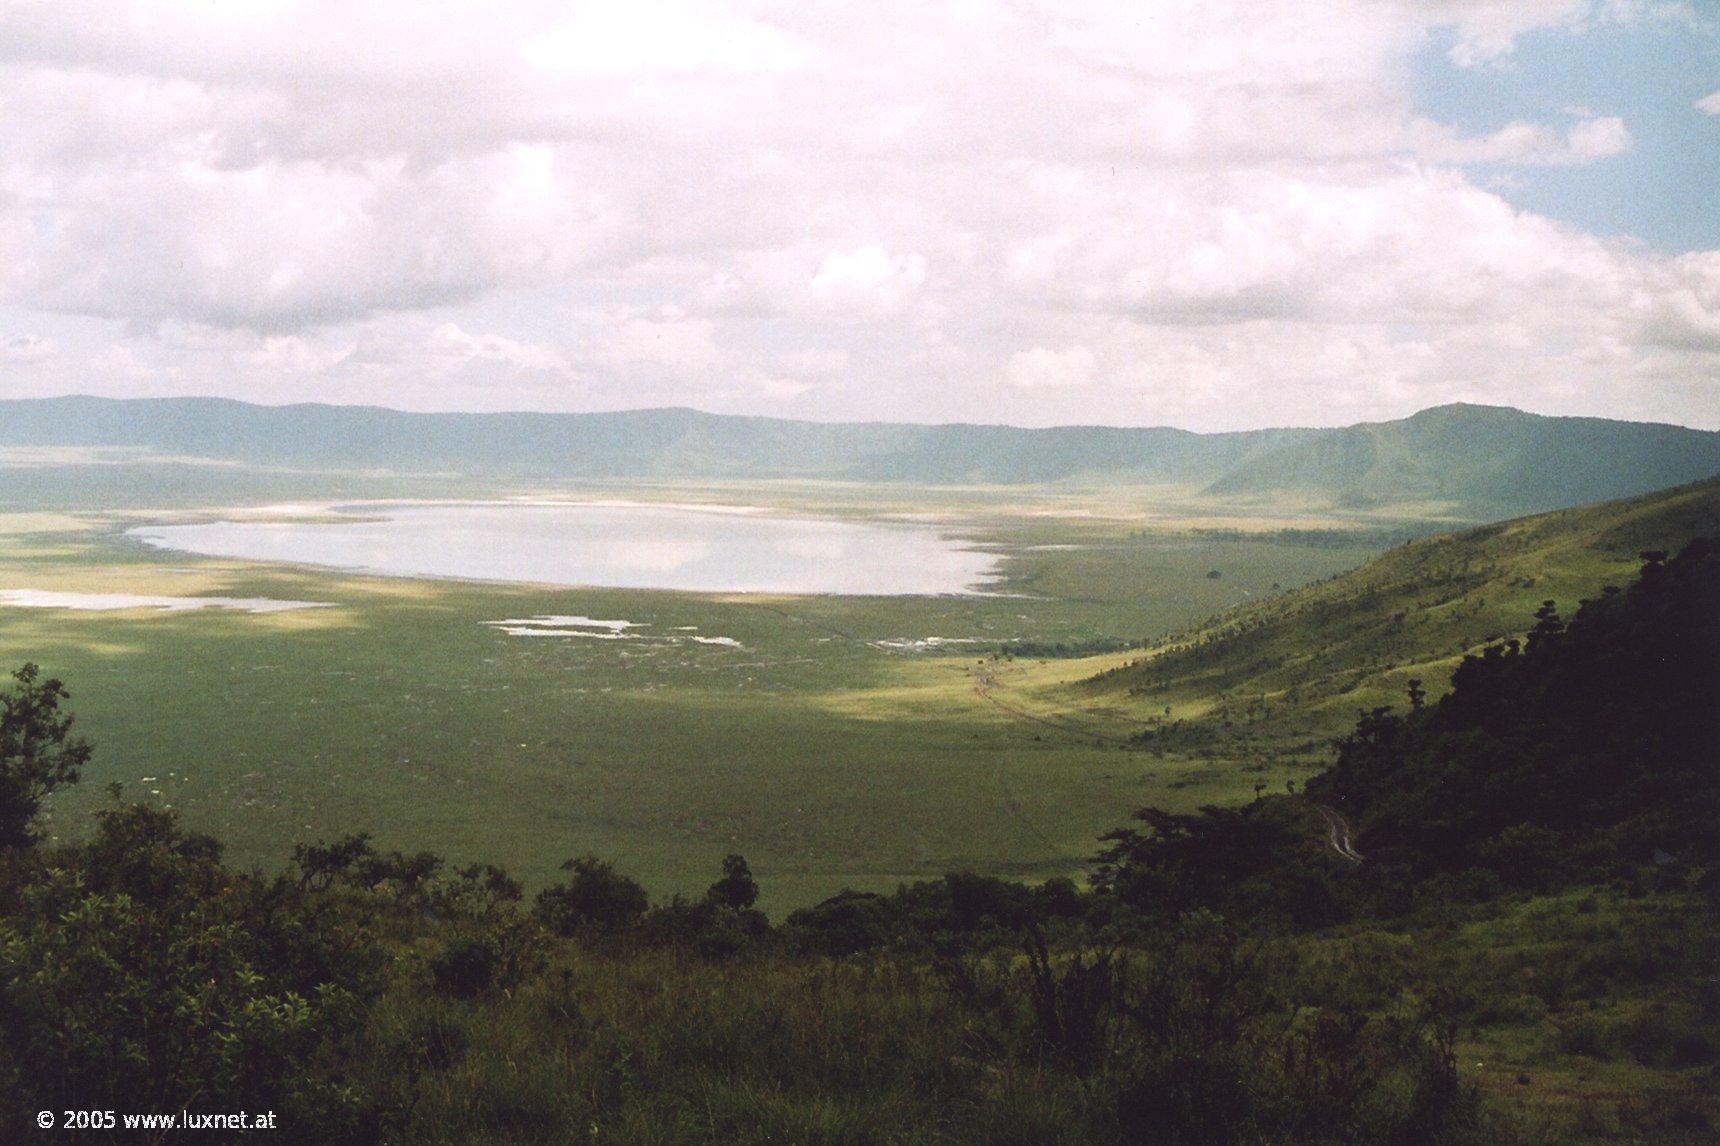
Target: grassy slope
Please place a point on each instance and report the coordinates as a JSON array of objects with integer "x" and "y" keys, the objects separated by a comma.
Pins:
[{"x": 1300, "y": 664}]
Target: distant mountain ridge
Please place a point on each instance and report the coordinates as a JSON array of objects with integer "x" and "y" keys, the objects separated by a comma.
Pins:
[{"x": 1481, "y": 461}]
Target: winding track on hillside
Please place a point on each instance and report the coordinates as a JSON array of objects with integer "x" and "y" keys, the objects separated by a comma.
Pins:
[
  {"x": 984, "y": 684},
  {"x": 1338, "y": 832}
]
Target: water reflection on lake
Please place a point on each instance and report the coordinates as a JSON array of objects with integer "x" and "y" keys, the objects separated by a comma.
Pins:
[{"x": 624, "y": 546}]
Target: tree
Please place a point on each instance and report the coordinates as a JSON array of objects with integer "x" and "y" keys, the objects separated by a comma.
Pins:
[
  {"x": 321, "y": 864},
  {"x": 847, "y": 923},
  {"x": 737, "y": 888},
  {"x": 1553, "y": 760},
  {"x": 1548, "y": 626},
  {"x": 408, "y": 877},
  {"x": 480, "y": 891},
  {"x": 1183, "y": 861},
  {"x": 138, "y": 968},
  {"x": 596, "y": 895},
  {"x": 37, "y": 752}
]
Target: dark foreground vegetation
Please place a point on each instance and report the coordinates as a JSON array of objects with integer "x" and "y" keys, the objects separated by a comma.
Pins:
[{"x": 1537, "y": 887}]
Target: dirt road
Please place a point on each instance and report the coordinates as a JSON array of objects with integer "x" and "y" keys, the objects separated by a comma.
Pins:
[{"x": 1338, "y": 832}]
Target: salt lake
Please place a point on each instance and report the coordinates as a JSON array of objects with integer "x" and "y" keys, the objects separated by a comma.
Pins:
[{"x": 698, "y": 549}]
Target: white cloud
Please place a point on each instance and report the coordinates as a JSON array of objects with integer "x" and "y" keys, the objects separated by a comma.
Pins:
[
  {"x": 653, "y": 36},
  {"x": 1488, "y": 29},
  {"x": 1520, "y": 142},
  {"x": 665, "y": 339},
  {"x": 1229, "y": 212},
  {"x": 27, "y": 348},
  {"x": 449, "y": 339},
  {"x": 817, "y": 361},
  {"x": 1709, "y": 104},
  {"x": 1681, "y": 309},
  {"x": 1403, "y": 245},
  {"x": 868, "y": 278},
  {"x": 1039, "y": 368},
  {"x": 1598, "y": 138}
]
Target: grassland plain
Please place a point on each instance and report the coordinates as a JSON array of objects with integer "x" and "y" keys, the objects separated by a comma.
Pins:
[{"x": 833, "y": 747}]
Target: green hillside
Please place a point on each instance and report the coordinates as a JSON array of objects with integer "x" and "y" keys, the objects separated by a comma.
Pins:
[
  {"x": 1467, "y": 462},
  {"x": 1307, "y": 660},
  {"x": 1492, "y": 459}
]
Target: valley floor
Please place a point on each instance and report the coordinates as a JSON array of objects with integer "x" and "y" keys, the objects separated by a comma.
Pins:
[{"x": 836, "y": 741}]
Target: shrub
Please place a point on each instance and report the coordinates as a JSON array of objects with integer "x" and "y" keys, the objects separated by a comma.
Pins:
[
  {"x": 737, "y": 888},
  {"x": 465, "y": 967},
  {"x": 847, "y": 923},
  {"x": 595, "y": 896}
]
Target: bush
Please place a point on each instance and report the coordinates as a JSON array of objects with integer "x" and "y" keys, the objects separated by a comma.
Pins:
[
  {"x": 465, "y": 967},
  {"x": 737, "y": 888},
  {"x": 847, "y": 923},
  {"x": 595, "y": 896},
  {"x": 708, "y": 930},
  {"x": 142, "y": 971}
]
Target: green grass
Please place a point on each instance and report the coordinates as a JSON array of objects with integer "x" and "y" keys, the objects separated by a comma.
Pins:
[
  {"x": 1283, "y": 675},
  {"x": 639, "y": 1049},
  {"x": 826, "y": 759},
  {"x": 1577, "y": 1020},
  {"x": 1580, "y": 1018}
]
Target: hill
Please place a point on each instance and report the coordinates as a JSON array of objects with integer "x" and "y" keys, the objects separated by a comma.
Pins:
[
  {"x": 1495, "y": 460},
  {"x": 665, "y": 443},
  {"x": 1553, "y": 759},
  {"x": 1306, "y": 660},
  {"x": 1470, "y": 462},
  {"x": 1581, "y": 755}
]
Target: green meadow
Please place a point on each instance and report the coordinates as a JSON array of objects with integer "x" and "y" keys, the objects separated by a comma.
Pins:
[{"x": 839, "y": 745}]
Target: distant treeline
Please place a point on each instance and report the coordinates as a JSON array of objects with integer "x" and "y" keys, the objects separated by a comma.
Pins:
[
  {"x": 1371, "y": 538},
  {"x": 1048, "y": 650}
]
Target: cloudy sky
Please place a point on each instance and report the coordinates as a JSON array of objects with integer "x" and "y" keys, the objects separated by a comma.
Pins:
[{"x": 1208, "y": 213}]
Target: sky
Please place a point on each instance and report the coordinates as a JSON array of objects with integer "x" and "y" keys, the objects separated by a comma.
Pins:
[{"x": 1215, "y": 214}]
